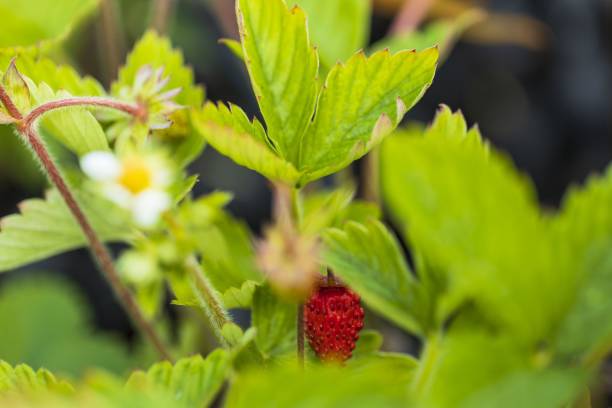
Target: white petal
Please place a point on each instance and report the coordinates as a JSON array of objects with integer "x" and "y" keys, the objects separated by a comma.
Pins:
[
  {"x": 148, "y": 206},
  {"x": 118, "y": 194},
  {"x": 101, "y": 166}
]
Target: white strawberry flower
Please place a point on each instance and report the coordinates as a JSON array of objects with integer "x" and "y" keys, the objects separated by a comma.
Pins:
[{"x": 138, "y": 183}]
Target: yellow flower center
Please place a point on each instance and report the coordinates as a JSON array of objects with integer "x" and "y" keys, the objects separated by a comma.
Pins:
[{"x": 135, "y": 176}]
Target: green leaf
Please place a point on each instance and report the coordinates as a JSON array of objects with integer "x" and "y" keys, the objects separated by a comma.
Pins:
[
  {"x": 551, "y": 388},
  {"x": 230, "y": 132},
  {"x": 194, "y": 381},
  {"x": 23, "y": 379},
  {"x": 228, "y": 256},
  {"x": 275, "y": 322},
  {"x": 57, "y": 76},
  {"x": 477, "y": 369},
  {"x": 468, "y": 214},
  {"x": 369, "y": 342},
  {"x": 157, "y": 52},
  {"x": 46, "y": 228},
  {"x": 338, "y": 28},
  {"x": 50, "y": 325},
  {"x": 16, "y": 87},
  {"x": 321, "y": 386},
  {"x": 234, "y": 46},
  {"x": 369, "y": 259},
  {"x": 283, "y": 69},
  {"x": 584, "y": 238},
  {"x": 33, "y": 24},
  {"x": 239, "y": 297},
  {"x": 332, "y": 208},
  {"x": 362, "y": 101}
]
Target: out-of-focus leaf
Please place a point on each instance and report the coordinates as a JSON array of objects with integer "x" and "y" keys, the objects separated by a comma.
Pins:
[
  {"x": 369, "y": 259},
  {"x": 275, "y": 322},
  {"x": 332, "y": 208},
  {"x": 283, "y": 69},
  {"x": 584, "y": 241},
  {"x": 46, "y": 227},
  {"x": 193, "y": 381},
  {"x": 460, "y": 371},
  {"x": 362, "y": 102},
  {"x": 338, "y": 28},
  {"x": 382, "y": 386},
  {"x": 23, "y": 379},
  {"x": 31, "y": 24},
  {"x": 47, "y": 324},
  {"x": 468, "y": 213}
]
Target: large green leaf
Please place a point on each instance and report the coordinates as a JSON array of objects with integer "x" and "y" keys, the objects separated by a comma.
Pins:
[
  {"x": 275, "y": 322},
  {"x": 369, "y": 259},
  {"x": 379, "y": 385},
  {"x": 475, "y": 369},
  {"x": 468, "y": 213},
  {"x": 584, "y": 243},
  {"x": 46, "y": 228},
  {"x": 33, "y": 24},
  {"x": 50, "y": 326},
  {"x": 283, "y": 69},
  {"x": 363, "y": 101},
  {"x": 230, "y": 132},
  {"x": 193, "y": 381},
  {"x": 23, "y": 379},
  {"x": 338, "y": 28}
]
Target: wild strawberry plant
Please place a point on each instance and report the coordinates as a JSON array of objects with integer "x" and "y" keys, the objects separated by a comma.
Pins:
[{"x": 509, "y": 302}]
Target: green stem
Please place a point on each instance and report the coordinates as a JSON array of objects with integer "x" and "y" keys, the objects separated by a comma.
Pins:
[
  {"x": 370, "y": 176},
  {"x": 208, "y": 299},
  {"x": 297, "y": 214},
  {"x": 428, "y": 364}
]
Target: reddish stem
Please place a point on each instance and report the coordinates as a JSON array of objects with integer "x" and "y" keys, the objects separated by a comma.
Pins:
[
  {"x": 9, "y": 105},
  {"x": 134, "y": 110},
  {"x": 100, "y": 252},
  {"x": 410, "y": 16}
]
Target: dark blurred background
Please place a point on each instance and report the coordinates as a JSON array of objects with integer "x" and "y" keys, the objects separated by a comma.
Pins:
[{"x": 547, "y": 105}]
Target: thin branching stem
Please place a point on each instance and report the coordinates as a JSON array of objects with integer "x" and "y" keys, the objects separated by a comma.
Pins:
[{"x": 27, "y": 129}]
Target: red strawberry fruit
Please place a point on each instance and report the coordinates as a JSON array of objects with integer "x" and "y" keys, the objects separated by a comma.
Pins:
[{"x": 333, "y": 318}]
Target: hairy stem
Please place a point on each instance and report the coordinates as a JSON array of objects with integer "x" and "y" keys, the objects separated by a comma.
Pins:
[
  {"x": 27, "y": 129},
  {"x": 297, "y": 215},
  {"x": 9, "y": 105},
  {"x": 162, "y": 10},
  {"x": 207, "y": 298}
]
